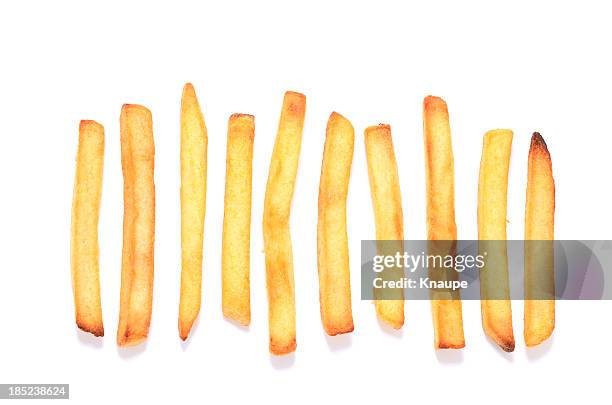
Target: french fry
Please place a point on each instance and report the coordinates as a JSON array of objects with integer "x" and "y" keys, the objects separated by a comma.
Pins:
[
  {"x": 332, "y": 240},
  {"x": 235, "y": 260},
  {"x": 492, "y": 201},
  {"x": 277, "y": 238},
  {"x": 194, "y": 143},
  {"x": 539, "y": 256},
  {"x": 137, "y": 161},
  {"x": 84, "y": 234},
  {"x": 445, "y": 306},
  {"x": 387, "y": 204}
]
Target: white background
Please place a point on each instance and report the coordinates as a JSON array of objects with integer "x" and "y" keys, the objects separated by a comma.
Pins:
[{"x": 522, "y": 66}]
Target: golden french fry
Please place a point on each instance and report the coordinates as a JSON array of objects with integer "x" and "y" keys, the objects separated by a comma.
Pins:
[
  {"x": 445, "y": 306},
  {"x": 84, "y": 234},
  {"x": 235, "y": 260},
  {"x": 492, "y": 201},
  {"x": 539, "y": 256},
  {"x": 332, "y": 240},
  {"x": 194, "y": 143},
  {"x": 387, "y": 204},
  {"x": 277, "y": 238},
  {"x": 137, "y": 161}
]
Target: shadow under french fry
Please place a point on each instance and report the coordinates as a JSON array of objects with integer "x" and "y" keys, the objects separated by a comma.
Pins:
[
  {"x": 540, "y": 351},
  {"x": 449, "y": 356},
  {"x": 282, "y": 362},
  {"x": 398, "y": 333},
  {"x": 339, "y": 342},
  {"x": 87, "y": 339},
  {"x": 130, "y": 352}
]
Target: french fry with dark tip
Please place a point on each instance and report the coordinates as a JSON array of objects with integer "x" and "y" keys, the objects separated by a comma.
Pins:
[
  {"x": 137, "y": 162},
  {"x": 277, "y": 237},
  {"x": 492, "y": 202},
  {"x": 194, "y": 144},
  {"x": 539, "y": 313},
  {"x": 332, "y": 240},
  {"x": 235, "y": 257},
  {"x": 388, "y": 216},
  {"x": 445, "y": 306},
  {"x": 84, "y": 233}
]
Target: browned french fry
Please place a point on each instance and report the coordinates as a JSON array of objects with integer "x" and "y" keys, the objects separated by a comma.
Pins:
[
  {"x": 445, "y": 306},
  {"x": 235, "y": 261},
  {"x": 332, "y": 240},
  {"x": 84, "y": 235},
  {"x": 194, "y": 143},
  {"x": 492, "y": 201},
  {"x": 387, "y": 204},
  {"x": 137, "y": 161},
  {"x": 539, "y": 256},
  {"x": 277, "y": 238}
]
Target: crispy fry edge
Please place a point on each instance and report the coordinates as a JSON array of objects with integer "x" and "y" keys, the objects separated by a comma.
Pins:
[
  {"x": 137, "y": 159},
  {"x": 387, "y": 206},
  {"x": 492, "y": 206},
  {"x": 539, "y": 315},
  {"x": 277, "y": 237},
  {"x": 236, "y": 245},
  {"x": 194, "y": 145},
  {"x": 332, "y": 239},
  {"x": 84, "y": 234},
  {"x": 446, "y": 313}
]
